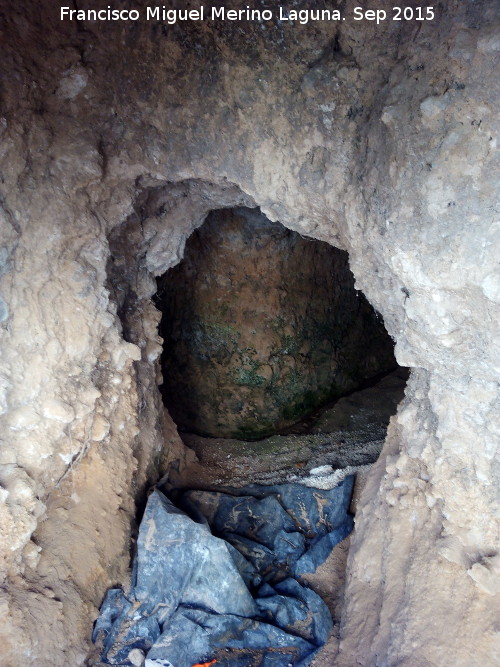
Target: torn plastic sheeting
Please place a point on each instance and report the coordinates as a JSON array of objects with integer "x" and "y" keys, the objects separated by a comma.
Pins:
[
  {"x": 194, "y": 635},
  {"x": 178, "y": 562},
  {"x": 284, "y": 530},
  {"x": 190, "y": 599}
]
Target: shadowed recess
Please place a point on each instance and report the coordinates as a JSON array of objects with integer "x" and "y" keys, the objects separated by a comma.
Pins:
[{"x": 261, "y": 327}]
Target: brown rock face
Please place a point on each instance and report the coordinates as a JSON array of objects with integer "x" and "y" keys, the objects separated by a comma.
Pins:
[{"x": 261, "y": 327}]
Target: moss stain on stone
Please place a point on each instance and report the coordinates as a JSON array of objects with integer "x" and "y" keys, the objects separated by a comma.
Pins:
[{"x": 267, "y": 328}]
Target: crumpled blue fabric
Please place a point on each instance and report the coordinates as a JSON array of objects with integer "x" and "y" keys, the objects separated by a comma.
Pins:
[{"x": 195, "y": 596}]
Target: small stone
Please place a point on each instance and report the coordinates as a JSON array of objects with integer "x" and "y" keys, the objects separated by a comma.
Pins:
[
  {"x": 23, "y": 418},
  {"x": 31, "y": 554},
  {"x": 136, "y": 657},
  {"x": 100, "y": 428},
  {"x": 321, "y": 470},
  {"x": 487, "y": 575},
  {"x": 53, "y": 408}
]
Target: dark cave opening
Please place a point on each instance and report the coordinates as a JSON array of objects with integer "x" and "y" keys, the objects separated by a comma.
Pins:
[
  {"x": 281, "y": 378},
  {"x": 261, "y": 328}
]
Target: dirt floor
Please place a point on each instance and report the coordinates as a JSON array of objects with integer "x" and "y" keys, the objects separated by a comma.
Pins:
[{"x": 334, "y": 442}]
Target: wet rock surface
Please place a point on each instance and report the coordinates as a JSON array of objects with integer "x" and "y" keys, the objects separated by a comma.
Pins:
[{"x": 261, "y": 327}]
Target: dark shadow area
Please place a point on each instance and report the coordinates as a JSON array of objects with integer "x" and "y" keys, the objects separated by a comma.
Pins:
[{"x": 262, "y": 327}]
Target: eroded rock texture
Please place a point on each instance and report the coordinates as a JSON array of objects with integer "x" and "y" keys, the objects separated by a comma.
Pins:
[
  {"x": 261, "y": 327},
  {"x": 116, "y": 141}
]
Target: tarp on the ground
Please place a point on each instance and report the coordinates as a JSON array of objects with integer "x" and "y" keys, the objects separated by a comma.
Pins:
[{"x": 219, "y": 580}]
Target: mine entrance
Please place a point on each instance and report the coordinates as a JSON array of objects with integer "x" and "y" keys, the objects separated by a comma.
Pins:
[
  {"x": 281, "y": 378},
  {"x": 267, "y": 348},
  {"x": 262, "y": 327}
]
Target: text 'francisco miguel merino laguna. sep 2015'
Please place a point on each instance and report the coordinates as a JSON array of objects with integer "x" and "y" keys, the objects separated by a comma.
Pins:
[{"x": 281, "y": 14}]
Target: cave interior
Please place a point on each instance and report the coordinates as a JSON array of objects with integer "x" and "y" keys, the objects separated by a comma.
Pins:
[{"x": 246, "y": 255}]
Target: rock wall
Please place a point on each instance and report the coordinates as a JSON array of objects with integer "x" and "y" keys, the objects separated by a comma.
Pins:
[
  {"x": 262, "y": 327},
  {"x": 116, "y": 140}
]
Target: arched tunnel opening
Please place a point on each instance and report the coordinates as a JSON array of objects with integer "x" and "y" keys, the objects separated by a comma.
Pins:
[
  {"x": 281, "y": 380},
  {"x": 268, "y": 348},
  {"x": 261, "y": 328}
]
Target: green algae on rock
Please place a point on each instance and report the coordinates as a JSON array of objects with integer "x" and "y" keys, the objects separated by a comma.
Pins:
[{"x": 262, "y": 326}]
